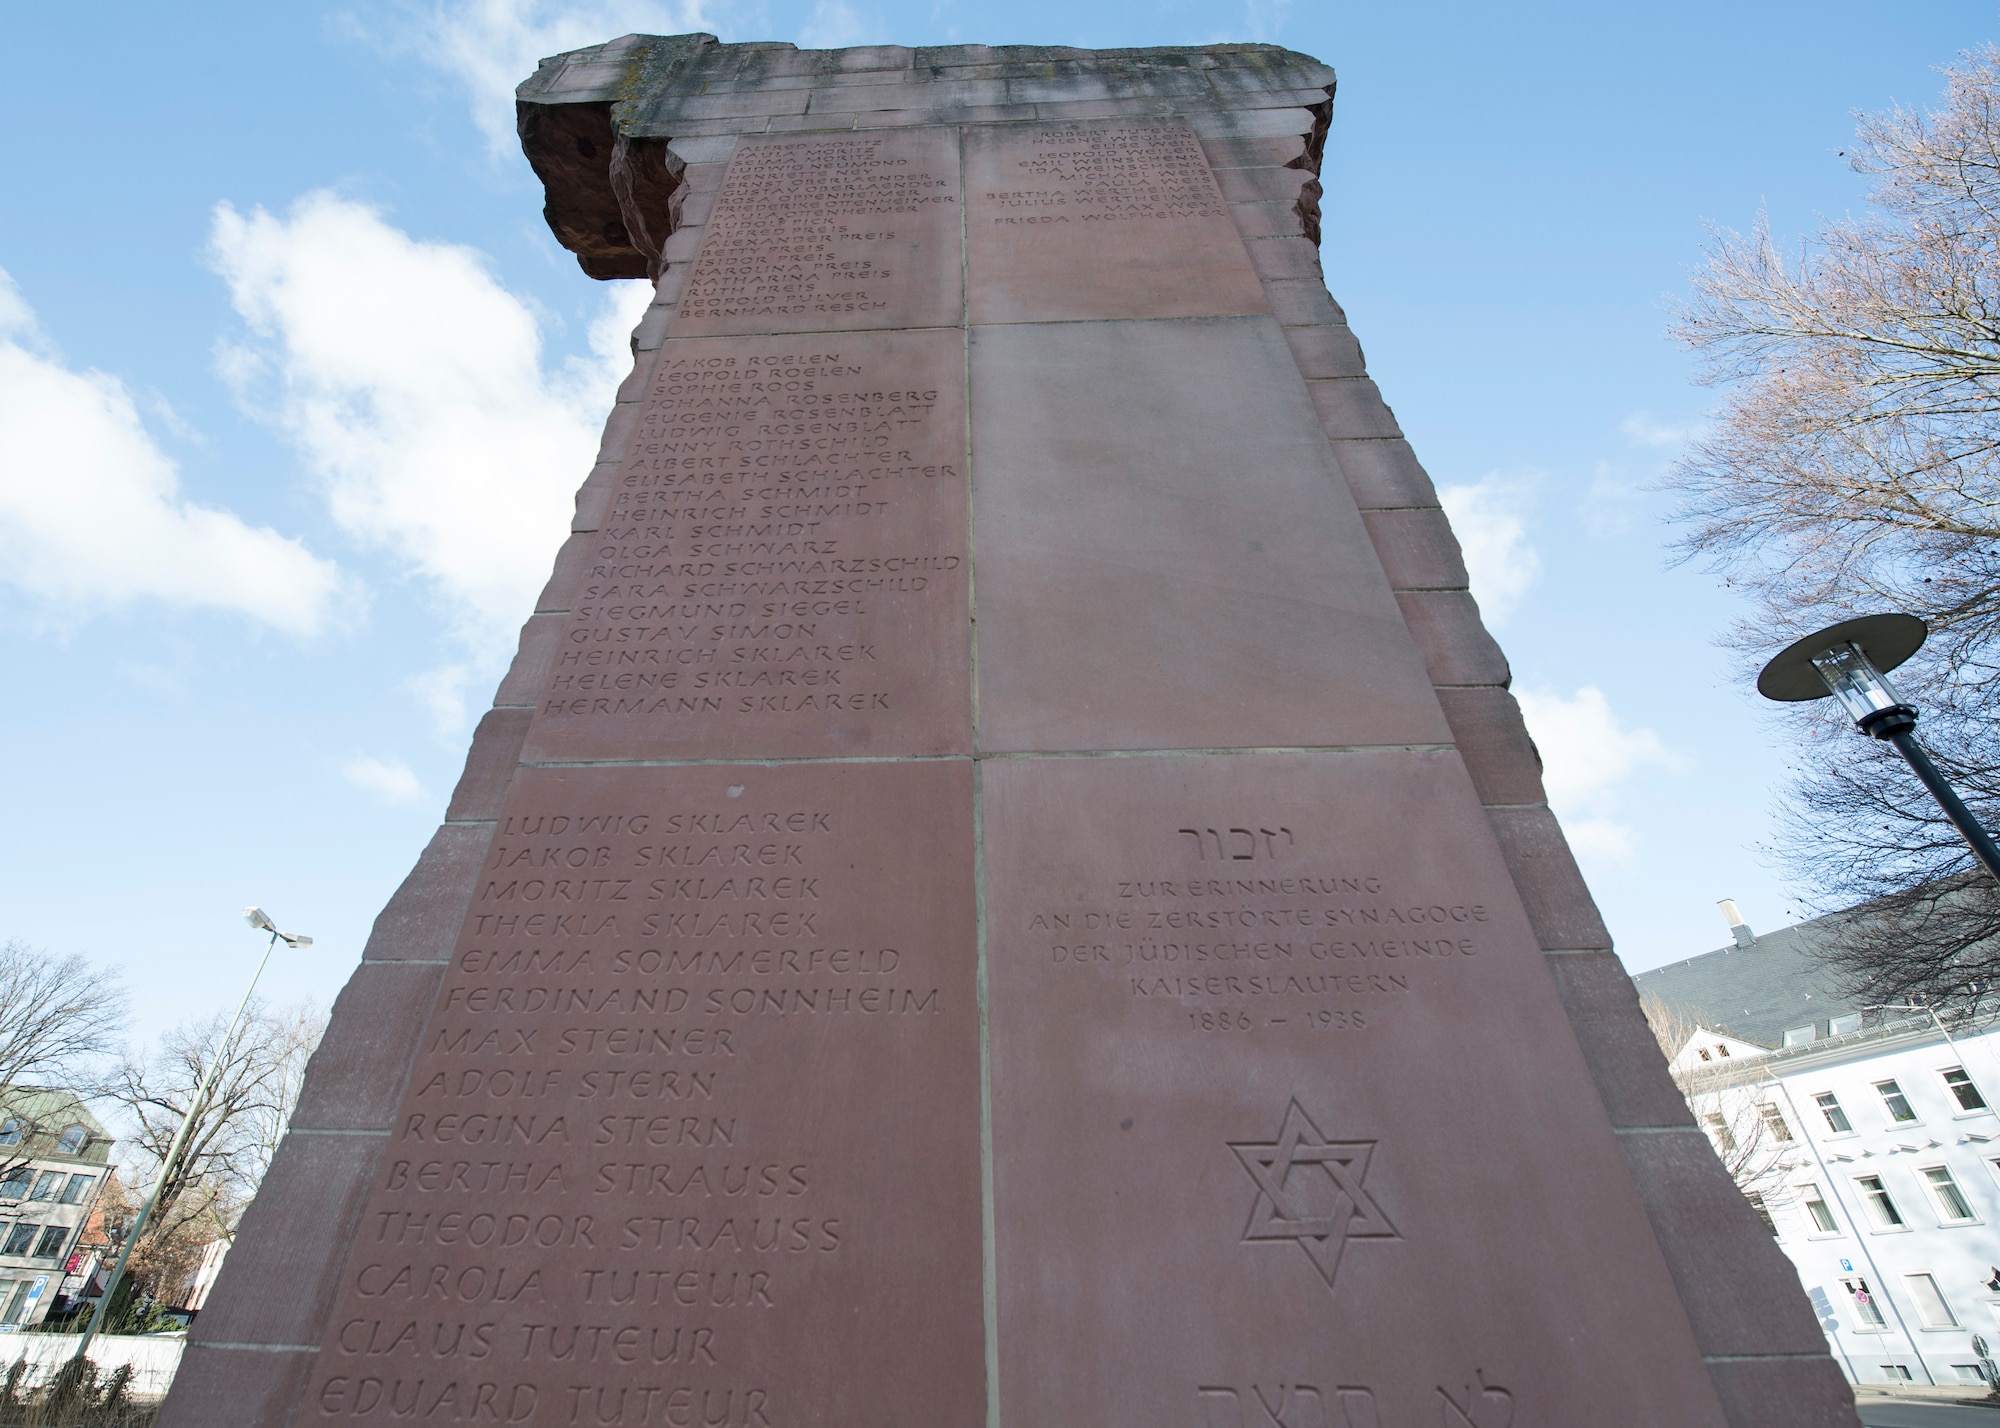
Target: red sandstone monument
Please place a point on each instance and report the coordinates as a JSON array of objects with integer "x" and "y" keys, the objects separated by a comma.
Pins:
[{"x": 1005, "y": 887}]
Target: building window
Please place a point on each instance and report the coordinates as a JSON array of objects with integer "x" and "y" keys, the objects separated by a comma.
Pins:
[
  {"x": 1896, "y": 1373},
  {"x": 1969, "y": 1373},
  {"x": 1816, "y": 1207},
  {"x": 1897, "y": 1104},
  {"x": 47, "y": 1186},
  {"x": 1952, "y": 1203},
  {"x": 1774, "y": 1122},
  {"x": 1844, "y": 1025},
  {"x": 11, "y": 1131},
  {"x": 1719, "y": 1128},
  {"x": 14, "y": 1293},
  {"x": 20, "y": 1239},
  {"x": 1836, "y": 1118},
  {"x": 1931, "y": 1307},
  {"x": 73, "y": 1140},
  {"x": 1763, "y": 1211},
  {"x": 1881, "y": 1208},
  {"x": 78, "y": 1187},
  {"x": 1866, "y": 1311},
  {"x": 1799, "y": 1036},
  {"x": 1963, "y": 1091},
  {"x": 1702, "y": 1052},
  {"x": 1722, "y": 1051},
  {"x": 53, "y": 1240}
]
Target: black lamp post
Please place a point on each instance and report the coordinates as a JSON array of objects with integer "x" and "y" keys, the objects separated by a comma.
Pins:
[{"x": 1847, "y": 661}]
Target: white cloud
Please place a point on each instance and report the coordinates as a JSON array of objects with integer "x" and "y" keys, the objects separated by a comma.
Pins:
[
  {"x": 1489, "y": 519},
  {"x": 414, "y": 385},
  {"x": 832, "y": 25},
  {"x": 1588, "y": 756},
  {"x": 1644, "y": 430},
  {"x": 1263, "y": 19},
  {"x": 442, "y": 692},
  {"x": 91, "y": 512},
  {"x": 388, "y": 779},
  {"x": 489, "y": 46}
]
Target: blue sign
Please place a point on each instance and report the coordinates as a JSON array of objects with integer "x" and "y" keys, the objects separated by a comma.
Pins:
[{"x": 1847, "y": 1265}]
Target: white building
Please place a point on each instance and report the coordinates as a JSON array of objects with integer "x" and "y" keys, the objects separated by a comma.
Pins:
[
  {"x": 1866, "y": 1137},
  {"x": 54, "y": 1155}
]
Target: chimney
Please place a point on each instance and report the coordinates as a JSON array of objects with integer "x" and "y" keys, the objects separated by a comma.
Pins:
[{"x": 1744, "y": 936}]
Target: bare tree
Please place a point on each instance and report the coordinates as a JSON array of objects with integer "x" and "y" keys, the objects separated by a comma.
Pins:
[
  {"x": 1731, "y": 1103},
  {"x": 58, "y": 1019},
  {"x": 234, "y": 1136},
  {"x": 1854, "y": 466}
]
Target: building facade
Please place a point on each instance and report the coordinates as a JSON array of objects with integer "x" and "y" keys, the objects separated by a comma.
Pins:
[
  {"x": 1867, "y": 1139},
  {"x": 54, "y": 1156}
]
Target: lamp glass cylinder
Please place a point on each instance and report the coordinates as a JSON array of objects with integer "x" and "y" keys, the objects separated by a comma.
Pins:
[{"x": 1861, "y": 688}]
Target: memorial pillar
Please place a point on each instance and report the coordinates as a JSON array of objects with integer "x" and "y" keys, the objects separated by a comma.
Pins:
[{"x": 1005, "y": 885}]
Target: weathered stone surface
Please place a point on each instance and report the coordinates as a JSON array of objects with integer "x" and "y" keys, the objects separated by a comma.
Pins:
[
  {"x": 1162, "y": 1078},
  {"x": 1009, "y": 711},
  {"x": 831, "y": 235},
  {"x": 1104, "y": 218},
  {"x": 784, "y": 569},
  {"x": 421, "y": 920},
  {"x": 1167, "y": 557},
  {"x": 704, "y": 1070}
]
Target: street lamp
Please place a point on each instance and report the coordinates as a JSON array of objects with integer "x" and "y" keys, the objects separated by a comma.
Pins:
[
  {"x": 258, "y": 919},
  {"x": 1848, "y": 661}
]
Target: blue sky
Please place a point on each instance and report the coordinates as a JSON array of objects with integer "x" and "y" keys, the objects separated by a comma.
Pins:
[{"x": 295, "y": 386}]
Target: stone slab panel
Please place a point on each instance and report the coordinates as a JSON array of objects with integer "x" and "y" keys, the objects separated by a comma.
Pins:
[
  {"x": 1353, "y": 407},
  {"x": 784, "y": 571},
  {"x": 1711, "y": 1235},
  {"x": 1167, "y": 555},
  {"x": 705, "y": 1072},
  {"x": 831, "y": 235},
  {"x": 1105, "y": 218},
  {"x": 534, "y": 660},
  {"x": 1383, "y": 475},
  {"x": 1326, "y": 351},
  {"x": 1299, "y": 301},
  {"x": 1550, "y": 885},
  {"x": 1492, "y": 737},
  {"x": 213, "y": 1386},
  {"x": 1284, "y": 1104},
  {"x": 1623, "y": 1054},
  {"x": 1418, "y": 549},
  {"x": 1457, "y": 648},
  {"x": 420, "y": 922},
  {"x": 293, "y": 1243},
  {"x": 1785, "y": 1393},
  {"x": 489, "y": 764},
  {"x": 356, "y": 1075}
]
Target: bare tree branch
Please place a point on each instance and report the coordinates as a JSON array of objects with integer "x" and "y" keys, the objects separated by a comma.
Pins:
[
  {"x": 58, "y": 1019},
  {"x": 234, "y": 1135},
  {"x": 1854, "y": 466}
]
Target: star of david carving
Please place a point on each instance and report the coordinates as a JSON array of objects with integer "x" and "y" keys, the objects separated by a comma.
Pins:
[{"x": 1309, "y": 1190}]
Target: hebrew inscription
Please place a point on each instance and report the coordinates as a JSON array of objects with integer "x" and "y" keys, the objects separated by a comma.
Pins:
[
  {"x": 1274, "y": 1045},
  {"x": 783, "y": 569},
  {"x": 1103, "y": 218},
  {"x": 830, "y": 235},
  {"x": 1480, "y": 1404},
  {"x": 618, "y": 1190}
]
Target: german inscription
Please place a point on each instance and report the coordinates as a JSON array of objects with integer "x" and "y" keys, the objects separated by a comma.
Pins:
[
  {"x": 830, "y": 235},
  {"x": 1103, "y": 218},
  {"x": 616, "y": 1189},
  {"x": 783, "y": 569}
]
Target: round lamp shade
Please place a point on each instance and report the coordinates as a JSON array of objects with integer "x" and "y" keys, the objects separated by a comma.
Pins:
[{"x": 1887, "y": 640}]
